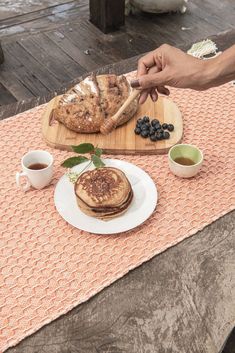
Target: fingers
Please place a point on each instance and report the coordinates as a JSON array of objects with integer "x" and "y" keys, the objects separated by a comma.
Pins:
[
  {"x": 150, "y": 60},
  {"x": 143, "y": 96},
  {"x": 150, "y": 81},
  {"x": 154, "y": 95},
  {"x": 136, "y": 82},
  {"x": 154, "y": 91},
  {"x": 163, "y": 90},
  {"x": 145, "y": 63}
]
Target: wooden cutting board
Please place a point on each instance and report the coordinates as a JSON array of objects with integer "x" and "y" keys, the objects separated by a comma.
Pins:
[{"x": 122, "y": 140}]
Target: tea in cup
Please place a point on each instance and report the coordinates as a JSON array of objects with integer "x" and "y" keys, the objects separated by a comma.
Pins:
[
  {"x": 185, "y": 160},
  {"x": 37, "y": 168}
]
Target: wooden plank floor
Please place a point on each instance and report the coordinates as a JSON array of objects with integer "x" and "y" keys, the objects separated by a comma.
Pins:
[{"x": 51, "y": 42}]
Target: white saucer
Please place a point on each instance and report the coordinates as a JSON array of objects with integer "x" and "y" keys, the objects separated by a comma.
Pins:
[{"x": 142, "y": 206}]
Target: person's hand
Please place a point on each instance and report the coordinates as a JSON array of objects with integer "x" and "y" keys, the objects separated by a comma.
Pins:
[{"x": 172, "y": 67}]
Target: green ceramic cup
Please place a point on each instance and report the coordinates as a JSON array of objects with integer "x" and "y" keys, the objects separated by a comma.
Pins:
[{"x": 185, "y": 151}]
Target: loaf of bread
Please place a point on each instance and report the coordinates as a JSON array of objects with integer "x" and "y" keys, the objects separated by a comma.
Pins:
[{"x": 85, "y": 106}]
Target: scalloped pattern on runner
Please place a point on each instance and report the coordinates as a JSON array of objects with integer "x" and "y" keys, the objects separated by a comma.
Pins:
[{"x": 48, "y": 267}]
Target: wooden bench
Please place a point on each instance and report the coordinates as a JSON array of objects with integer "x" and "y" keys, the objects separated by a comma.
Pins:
[{"x": 107, "y": 15}]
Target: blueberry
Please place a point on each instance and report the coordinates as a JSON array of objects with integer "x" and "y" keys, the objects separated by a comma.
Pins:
[
  {"x": 146, "y": 119},
  {"x": 158, "y": 136},
  {"x": 153, "y": 138},
  {"x": 144, "y": 127},
  {"x": 151, "y": 131},
  {"x": 165, "y": 126},
  {"x": 139, "y": 121},
  {"x": 154, "y": 122},
  {"x": 137, "y": 131},
  {"x": 170, "y": 127},
  {"x": 157, "y": 127},
  {"x": 144, "y": 133},
  {"x": 166, "y": 135},
  {"x": 148, "y": 125}
]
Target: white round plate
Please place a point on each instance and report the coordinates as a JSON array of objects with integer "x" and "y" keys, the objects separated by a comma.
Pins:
[{"x": 141, "y": 208}]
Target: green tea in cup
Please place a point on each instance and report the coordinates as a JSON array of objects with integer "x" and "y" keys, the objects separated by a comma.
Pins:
[{"x": 184, "y": 160}]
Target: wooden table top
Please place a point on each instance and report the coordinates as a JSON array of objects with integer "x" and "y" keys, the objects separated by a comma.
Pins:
[{"x": 181, "y": 301}]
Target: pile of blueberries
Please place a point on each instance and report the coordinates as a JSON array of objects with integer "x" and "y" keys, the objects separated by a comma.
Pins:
[{"x": 153, "y": 129}]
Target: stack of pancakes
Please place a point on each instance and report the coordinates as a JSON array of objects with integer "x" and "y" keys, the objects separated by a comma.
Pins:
[{"x": 103, "y": 193}]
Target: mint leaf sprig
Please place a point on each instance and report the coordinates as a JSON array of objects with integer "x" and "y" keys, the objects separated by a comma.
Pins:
[
  {"x": 71, "y": 162},
  {"x": 94, "y": 158}
]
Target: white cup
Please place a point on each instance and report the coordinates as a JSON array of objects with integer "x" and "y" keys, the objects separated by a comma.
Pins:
[{"x": 36, "y": 178}]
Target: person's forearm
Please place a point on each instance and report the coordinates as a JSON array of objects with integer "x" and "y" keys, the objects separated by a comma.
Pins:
[{"x": 220, "y": 69}]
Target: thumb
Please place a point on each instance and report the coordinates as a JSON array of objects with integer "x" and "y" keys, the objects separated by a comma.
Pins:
[{"x": 150, "y": 80}]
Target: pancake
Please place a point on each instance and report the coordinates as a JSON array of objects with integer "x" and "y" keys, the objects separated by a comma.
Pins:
[
  {"x": 103, "y": 193},
  {"x": 108, "y": 210},
  {"x": 102, "y": 187},
  {"x": 105, "y": 213}
]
